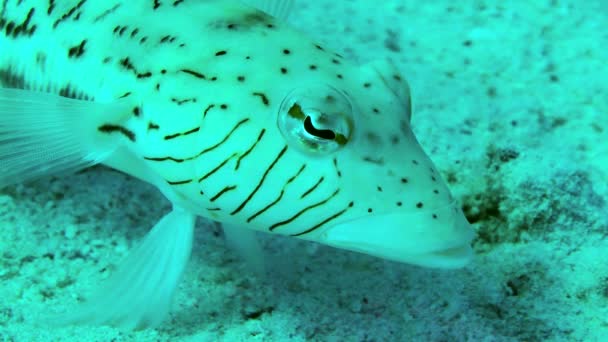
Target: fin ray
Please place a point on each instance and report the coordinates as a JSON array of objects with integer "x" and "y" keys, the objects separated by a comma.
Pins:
[
  {"x": 44, "y": 134},
  {"x": 277, "y": 8},
  {"x": 140, "y": 292}
]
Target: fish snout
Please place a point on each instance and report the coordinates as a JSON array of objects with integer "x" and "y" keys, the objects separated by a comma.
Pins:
[{"x": 431, "y": 238}]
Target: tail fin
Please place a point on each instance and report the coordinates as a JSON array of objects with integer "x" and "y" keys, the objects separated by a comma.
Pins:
[{"x": 43, "y": 134}]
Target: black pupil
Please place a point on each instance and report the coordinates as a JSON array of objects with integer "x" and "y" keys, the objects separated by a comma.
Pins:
[{"x": 319, "y": 133}]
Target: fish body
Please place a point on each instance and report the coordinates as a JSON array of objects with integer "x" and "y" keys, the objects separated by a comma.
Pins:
[{"x": 234, "y": 116}]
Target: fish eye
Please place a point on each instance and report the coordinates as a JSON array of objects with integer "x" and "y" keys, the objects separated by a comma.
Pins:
[{"x": 316, "y": 120}]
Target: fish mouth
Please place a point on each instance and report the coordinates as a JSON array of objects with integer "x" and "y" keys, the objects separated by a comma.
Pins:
[{"x": 441, "y": 238}]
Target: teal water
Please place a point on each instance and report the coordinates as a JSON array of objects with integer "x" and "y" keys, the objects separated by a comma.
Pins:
[{"x": 510, "y": 102}]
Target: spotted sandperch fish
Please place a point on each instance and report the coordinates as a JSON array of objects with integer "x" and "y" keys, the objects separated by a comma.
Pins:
[{"x": 233, "y": 116}]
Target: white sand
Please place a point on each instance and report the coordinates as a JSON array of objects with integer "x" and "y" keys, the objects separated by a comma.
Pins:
[{"x": 511, "y": 104}]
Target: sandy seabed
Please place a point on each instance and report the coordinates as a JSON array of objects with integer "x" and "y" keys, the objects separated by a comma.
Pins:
[{"x": 510, "y": 102}]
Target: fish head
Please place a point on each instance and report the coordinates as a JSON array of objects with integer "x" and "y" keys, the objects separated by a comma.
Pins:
[
  {"x": 324, "y": 151},
  {"x": 367, "y": 185}
]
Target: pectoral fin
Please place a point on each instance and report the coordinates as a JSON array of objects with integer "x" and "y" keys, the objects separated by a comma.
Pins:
[{"x": 140, "y": 292}]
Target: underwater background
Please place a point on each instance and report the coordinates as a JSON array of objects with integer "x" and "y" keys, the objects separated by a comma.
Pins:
[{"x": 510, "y": 102}]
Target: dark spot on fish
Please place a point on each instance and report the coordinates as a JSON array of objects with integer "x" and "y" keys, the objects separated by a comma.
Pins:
[
  {"x": 9, "y": 28},
  {"x": 136, "y": 111},
  {"x": 207, "y": 110},
  {"x": 312, "y": 67},
  {"x": 78, "y": 50},
  {"x": 189, "y": 72},
  {"x": 10, "y": 79},
  {"x": 338, "y": 172},
  {"x": 180, "y": 102},
  {"x": 264, "y": 98},
  {"x": 241, "y": 78},
  {"x": 110, "y": 128},
  {"x": 286, "y": 51},
  {"x": 67, "y": 15},
  {"x": 24, "y": 29},
  {"x": 247, "y": 21},
  {"x": 167, "y": 39},
  {"x": 16, "y": 31},
  {"x": 283, "y": 71},
  {"x": 419, "y": 205},
  {"x": 106, "y": 13},
  {"x": 126, "y": 63},
  {"x": 70, "y": 92},
  {"x": 224, "y": 106},
  {"x": 376, "y": 161},
  {"x": 221, "y": 53},
  {"x": 153, "y": 126},
  {"x": 181, "y": 182},
  {"x": 181, "y": 134},
  {"x": 51, "y": 7}
]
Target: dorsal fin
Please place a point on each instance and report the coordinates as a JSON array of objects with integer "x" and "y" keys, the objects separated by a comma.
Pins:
[{"x": 277, "y": 8}]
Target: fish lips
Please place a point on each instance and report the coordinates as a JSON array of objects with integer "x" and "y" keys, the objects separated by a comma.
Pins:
[{"x": 439, "y": 238}]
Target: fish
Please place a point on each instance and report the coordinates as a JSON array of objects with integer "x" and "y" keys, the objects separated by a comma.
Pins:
[{"x": 234, "y": 116}]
